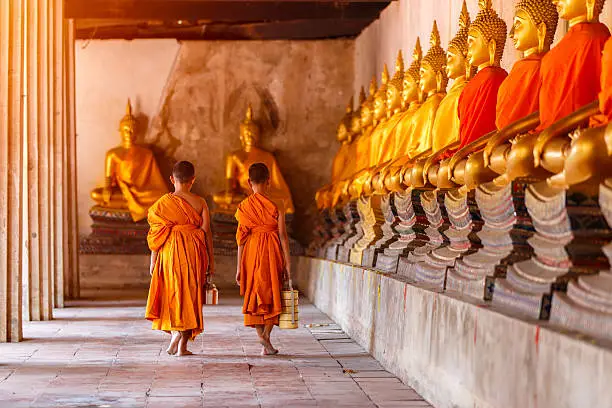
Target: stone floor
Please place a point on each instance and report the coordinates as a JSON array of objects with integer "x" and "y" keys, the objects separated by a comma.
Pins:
[{"x": 101, "y": 353}]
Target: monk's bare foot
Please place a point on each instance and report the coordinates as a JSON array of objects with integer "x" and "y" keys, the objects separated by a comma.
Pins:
[
  {"x": 173, "y": 347},
  {"x": 182, "y": 344},
  {"x": 183, "y": 353},
  {"x": 268, "y": 349}
]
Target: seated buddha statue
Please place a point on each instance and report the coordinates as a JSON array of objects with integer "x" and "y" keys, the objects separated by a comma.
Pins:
[
  {"x": 408, "y": 88},
  {"x": 571, "y": 75},
  {"x": 237, "y": 170},
  {"x": 343, "y": 163},
  {"x": 362, "y": 125},
  {"x": 132, "y": 179},
  {"x": 433, "y": 86},
  {"x": 533, "y": 31},
  {"x": 445, "y": 131},
  {"x": 477, "y": 103}
]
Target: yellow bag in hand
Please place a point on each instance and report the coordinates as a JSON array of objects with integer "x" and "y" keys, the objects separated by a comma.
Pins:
[
  {"x": 211, "y": 294},
  {"x": 288, "y": 318}
]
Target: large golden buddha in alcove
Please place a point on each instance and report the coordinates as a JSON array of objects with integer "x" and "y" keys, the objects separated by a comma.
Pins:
[
  {"x": 237, "y": 170},
  {"x": 132, "y": 179}
]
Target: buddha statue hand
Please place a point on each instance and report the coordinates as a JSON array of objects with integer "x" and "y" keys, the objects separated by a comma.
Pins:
[{"x": 506, "y": 135}]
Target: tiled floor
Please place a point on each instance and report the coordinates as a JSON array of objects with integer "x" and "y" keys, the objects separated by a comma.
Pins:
[{"x": 103, "y": 354}]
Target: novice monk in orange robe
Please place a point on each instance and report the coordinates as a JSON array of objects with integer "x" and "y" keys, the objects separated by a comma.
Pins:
[
  {"x": 263, "y": 256},
  {"x": 180, "y": 240}
]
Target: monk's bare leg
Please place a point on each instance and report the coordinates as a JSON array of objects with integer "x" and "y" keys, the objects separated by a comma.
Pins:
[
  {"x": 264, "y": 340},
  {"x": 266, "y": 332},
  {"x": 174, "y": 341},
  {"x": 182, "y": 345}
]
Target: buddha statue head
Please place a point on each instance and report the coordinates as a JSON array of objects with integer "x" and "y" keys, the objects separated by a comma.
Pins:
[
  {"x": 579, "y": 11},
  {"x": 433, "y": 76},
  {"x": 412, "y": 77},
  {"x": 343, "y": 131},
  {"x": 367, "y": 107},
  {"x": 534, "y": 26},
  {"x": 127, "y": 126},
  {"x": 355, "y": 128},
  {"x": 457, "y": 64},
  {"x": 380, "y": 98},
  {"x": 486, "y": 37},
  {"x": 249, "y": 131},
  {"x": 394, "y": 87}
]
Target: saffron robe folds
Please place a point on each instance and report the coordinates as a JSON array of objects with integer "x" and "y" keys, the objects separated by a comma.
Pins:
[
  {"x": 605, "y": 96},
  {"x": 477, "y": 104},
  {"x": 571, "y": 72},
  {"x": 262, "y": 262},
  {"x": 179, "y": 274},
  {"x": 519, "y": 94},
  {"x": 445, "y": 129}
]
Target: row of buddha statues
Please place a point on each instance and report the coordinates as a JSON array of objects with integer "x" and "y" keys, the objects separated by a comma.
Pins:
[
  {"x": 498, "y": 187},
  {"x": 133, "y": 182}
]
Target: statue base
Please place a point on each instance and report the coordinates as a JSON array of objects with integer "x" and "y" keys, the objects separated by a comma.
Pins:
[
  {"x": 225, "y": 225},
  {"x": 114, "y": 232}
]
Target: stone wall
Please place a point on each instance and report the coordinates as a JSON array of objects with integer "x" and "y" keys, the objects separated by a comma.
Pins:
[
  {"x": 200, "y": 91},
  {"x": 456, "y": 353}
]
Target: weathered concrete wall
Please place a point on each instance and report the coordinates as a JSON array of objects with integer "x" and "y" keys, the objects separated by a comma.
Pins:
[
  {"x": 107, "y": 272},
  {"x": 456, "y": 353},
  {"x": 192, "y": 97}
]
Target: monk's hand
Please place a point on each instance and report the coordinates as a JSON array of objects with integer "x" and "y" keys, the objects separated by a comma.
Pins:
[
  {"x": 238, "y": 277},
  {"x": 211, "y": 269}
]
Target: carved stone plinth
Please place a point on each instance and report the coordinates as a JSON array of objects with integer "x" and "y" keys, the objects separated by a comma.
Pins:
[
  {"x": 338, "y": 221},
  {"x": 503, "y": 239},
  {"x": 351, "y": 218},
  {"x": 344, "y": 252},
  {"x": 587, "y": 305},
  {"x": 114, "y": 232},
  {"x": 570, "y": 231},
  {"x": 389, "y": 235},
  {"x": 372, "y": 220},
  {"x": 464, "y": 219},
  {"x": 410, "y": 230}
]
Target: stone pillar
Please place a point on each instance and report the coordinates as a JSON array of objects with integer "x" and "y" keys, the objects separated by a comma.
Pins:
[
  {"x": 71, "y": 260},
  {"x": 11, "y": 168}
]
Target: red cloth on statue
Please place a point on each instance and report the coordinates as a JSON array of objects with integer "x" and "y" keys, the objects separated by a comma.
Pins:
[
  {"x": 477, "y": 104},
  {"x": 571, "y": 72},
  {"x": 519, "y": 94}
]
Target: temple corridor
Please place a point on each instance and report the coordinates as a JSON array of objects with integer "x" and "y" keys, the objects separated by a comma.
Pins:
[{"x": 102, "y": 353}]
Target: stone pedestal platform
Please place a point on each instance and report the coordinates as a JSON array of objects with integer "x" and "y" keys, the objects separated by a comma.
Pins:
[{"x": 114, "y": 232}]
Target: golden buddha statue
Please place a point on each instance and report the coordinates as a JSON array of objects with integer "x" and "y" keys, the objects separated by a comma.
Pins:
[
  {"x": 362, "y": 125},
  {"x": 445, "y": 131},
  {"x": 391, "y": 176},
  {"x": 343, "y": 164},
  {"x": 237, "y": 170},
  {"x": 433, "y": 82},
  {"x": 533, "y": 31},
  {"x": 132, "y": 180},
  {"x": 477, "y": 103}
]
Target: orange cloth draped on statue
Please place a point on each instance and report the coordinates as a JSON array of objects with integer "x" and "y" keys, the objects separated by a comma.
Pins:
[
  {"x": 519, "y": 94},
  {"x": 179, "y": 274},
  {"x": 605, "y": 96},
  {"x": 571, "y": 72},
  {"x": 477, "y": 104},
  {"x": 262, "y": 260},
  {"x": 140, "y": 181}
]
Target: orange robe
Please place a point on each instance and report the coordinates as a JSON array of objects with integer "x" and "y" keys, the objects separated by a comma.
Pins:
[
  {"x": 605, "y": 96},
  {"x": 519, "y": 94},
  {"x": 571, "y": 72},
  {"x": 477, "y": 104},
  {"x": 175, "y": 295},
  {"x": 262, "y": 260}
]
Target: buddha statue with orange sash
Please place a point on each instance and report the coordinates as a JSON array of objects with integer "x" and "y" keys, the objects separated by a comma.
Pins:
[
  {"x": 533, "y": 31},
  {"x": 445, "y": 132},
  {"x": 583, "y": 77},
  {"x": 478, "y": 101}
]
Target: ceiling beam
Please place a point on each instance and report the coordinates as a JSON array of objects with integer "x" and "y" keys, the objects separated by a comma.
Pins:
[
  {"x": 284, "y": 30},
  {"x": 222, "y": 10}
]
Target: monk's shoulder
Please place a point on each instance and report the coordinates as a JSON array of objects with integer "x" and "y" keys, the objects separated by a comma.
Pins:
[{"x": 160, "y": 203}]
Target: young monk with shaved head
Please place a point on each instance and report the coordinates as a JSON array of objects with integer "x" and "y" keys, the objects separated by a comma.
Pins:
[
  {"x": 180, "y": 240},
  {"x": 263, "y": 257}
]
